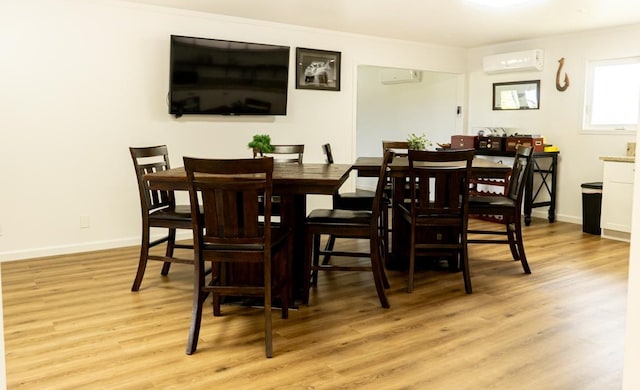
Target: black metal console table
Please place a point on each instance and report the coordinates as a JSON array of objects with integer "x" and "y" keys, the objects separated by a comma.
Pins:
[{"x": 546, "y": 173}]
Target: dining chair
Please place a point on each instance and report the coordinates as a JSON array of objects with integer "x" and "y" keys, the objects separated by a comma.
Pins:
[
  {"x": 505, "y": 209},
  {"x": 357, "y": 224},
  {"x": 360, "y": 199},
  {"x": 282, "y": 154},
  {"x": 399, "y": 148},
  {"x": 159, "y": 210},
  {"x": 229, "y": 233},
  {"x": 438, "y": 213}
]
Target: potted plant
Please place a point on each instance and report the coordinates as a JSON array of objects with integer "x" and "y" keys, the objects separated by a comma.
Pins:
[
  {"x": 261, "y": 144},
  {"x": 418, "y": 142}
]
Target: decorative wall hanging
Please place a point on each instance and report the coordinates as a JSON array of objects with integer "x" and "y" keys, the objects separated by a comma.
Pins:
[
  {"x": 559, "y": 86},
  {"x": 317, "y": 69}
]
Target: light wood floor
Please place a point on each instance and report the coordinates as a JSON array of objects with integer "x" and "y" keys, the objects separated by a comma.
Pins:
[{"x": 71, "y": 322}]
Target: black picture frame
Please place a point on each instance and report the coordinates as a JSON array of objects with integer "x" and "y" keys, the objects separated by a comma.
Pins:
[
  {"x": 516, "y": 95},
  {"x": 317, "y": 69}
]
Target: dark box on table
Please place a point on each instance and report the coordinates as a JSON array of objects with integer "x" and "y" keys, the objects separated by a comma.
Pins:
[
  {"x": 514, "y": 141},
  {"x": 491, "y": 143},
  {"x": 464, "y": 141}
]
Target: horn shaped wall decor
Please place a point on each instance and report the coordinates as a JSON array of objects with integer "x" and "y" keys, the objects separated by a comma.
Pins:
[{"x": 559, "y": 86}]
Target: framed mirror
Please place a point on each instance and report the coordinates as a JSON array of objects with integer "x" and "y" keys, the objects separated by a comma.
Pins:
[{"x": 516, "y": 95}]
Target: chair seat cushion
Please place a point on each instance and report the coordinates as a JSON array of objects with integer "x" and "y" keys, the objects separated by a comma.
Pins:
[
  {"x": 490, "y": 201},
  {"x": 339, "y": 216},
  {"x": 179, "y": 213}
]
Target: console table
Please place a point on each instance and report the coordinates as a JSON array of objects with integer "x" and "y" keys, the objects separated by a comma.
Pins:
[{"x": 545, "y": 169}]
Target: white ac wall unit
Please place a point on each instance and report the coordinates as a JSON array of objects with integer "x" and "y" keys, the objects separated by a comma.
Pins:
[
  {"x": 399, "y": 76},
  {"x": 513, "y": 62}
]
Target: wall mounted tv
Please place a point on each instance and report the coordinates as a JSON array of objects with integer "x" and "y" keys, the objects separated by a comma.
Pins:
[{"x": 218, "y": 77}]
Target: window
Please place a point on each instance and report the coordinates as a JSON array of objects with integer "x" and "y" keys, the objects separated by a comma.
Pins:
[{"x": 612, "y": 100}]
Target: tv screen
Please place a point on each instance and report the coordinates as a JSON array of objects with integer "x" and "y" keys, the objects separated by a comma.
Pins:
[{"x": 212, "y": 76}]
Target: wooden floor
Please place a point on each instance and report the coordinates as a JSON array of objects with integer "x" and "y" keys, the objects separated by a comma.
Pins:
[{"x": 71, "y": 322}]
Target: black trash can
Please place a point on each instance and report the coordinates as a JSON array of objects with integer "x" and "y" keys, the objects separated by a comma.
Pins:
[{"x": 591, "y": 206}]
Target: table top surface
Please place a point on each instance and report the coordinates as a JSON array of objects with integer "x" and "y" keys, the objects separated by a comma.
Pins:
[
  {"x": 370, "y": 166},
  {"x": 287, "y": 177}
]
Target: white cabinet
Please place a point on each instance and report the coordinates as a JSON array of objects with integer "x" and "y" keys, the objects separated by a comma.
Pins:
[{"x": 617, "y": 198}]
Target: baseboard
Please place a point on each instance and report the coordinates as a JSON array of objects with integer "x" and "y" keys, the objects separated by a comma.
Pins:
[{"x": 77, "y": 248}]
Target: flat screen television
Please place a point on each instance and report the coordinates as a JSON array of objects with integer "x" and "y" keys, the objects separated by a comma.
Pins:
[{"x": 219, "y": 77}]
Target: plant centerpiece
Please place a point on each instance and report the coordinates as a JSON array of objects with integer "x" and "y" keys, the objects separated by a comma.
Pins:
[
  {"x": 261, "y": 144},
  {"x": 418, "y": 142}
]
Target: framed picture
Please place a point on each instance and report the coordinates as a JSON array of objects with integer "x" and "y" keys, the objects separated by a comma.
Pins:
[
  {"x": 317, "y": 69},
  {"x": 516, "y": 95}
]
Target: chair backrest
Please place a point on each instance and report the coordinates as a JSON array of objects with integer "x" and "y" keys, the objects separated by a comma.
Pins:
[
  {"x": 378, "y": 199},
  {"x": 285, "y": 153},
  {"x": 229, "y": 192},
  {"x": 400, "y": 148},
  {"x": 440, "y": 186},
  {"x": 326, "y": 148},
  {"x": 148, "y": 160},
  {"x": 522, "y": 165}
]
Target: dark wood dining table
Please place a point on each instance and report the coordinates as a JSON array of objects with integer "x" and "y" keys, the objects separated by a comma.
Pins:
[
  {"x": 292, "y": 182},
  {"x": 399, "y": 171}
]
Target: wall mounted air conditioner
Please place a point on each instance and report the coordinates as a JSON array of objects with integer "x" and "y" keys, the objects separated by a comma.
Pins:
[
  {"x": 513, "y": 62},
  {"x": 399, "y": 76}
]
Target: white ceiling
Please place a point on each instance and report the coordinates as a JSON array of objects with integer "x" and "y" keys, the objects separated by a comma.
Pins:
[{"x": 447, "y": 22}]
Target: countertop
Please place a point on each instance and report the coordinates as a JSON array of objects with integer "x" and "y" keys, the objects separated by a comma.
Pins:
[{"x": 629, "y": 159}]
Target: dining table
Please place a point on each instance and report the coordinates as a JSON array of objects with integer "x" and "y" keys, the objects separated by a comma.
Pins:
[
  {"x": 399, "y": 172},
  {"x": 292, "y": 182}
]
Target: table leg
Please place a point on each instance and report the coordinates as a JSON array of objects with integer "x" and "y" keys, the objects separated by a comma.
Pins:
[
  {"x": 293, "y": 214},
  {"x": 398, "y": 258}
]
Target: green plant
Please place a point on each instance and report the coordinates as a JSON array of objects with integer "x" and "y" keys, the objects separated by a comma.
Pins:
[
  {"x": 418, "y": 142},
  {"x": 262, "y": 143}
]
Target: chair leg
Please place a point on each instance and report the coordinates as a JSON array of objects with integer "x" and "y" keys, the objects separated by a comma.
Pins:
[
  {"x": 412, "y": 259},
  {"x": 199, "y": 297},
  {"x": 520, "y": 245},
  {"x": 196, "y": 319},
  {"x": 316, "y": 259},
  {"x": 171, "y": 244},
  {"x": 511, "y": 236},
  {"x": 142, "y": 264},
  {"x": 378, "y": 274},
  {"x": 268, "y": 342},
  {"x": 284, "y": 298},
  {"x": 307, "y": 265},
  {"x": 464, "y": 265},
  {"x": 381, "y": 248},
  {"x": 331, "y": 241}
]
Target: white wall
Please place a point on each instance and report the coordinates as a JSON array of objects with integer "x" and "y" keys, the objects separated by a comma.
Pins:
[
  {"x": 559, "y": 118},
  {"x": 84, "y": 80}
]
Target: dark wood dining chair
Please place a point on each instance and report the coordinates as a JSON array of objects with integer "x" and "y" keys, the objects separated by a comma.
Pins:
[
  {"x": 282, "y": 154},
  {"x": 359, "y": 224},
  {"x": 399, "y": 148},
  {"x": 438, "y": 211},
  {"x": 230, "y": 234},
  {"x": 159, "y": 210},
  {"x": 505, "y": 209},
  {"x": 360, "y": 199}
]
